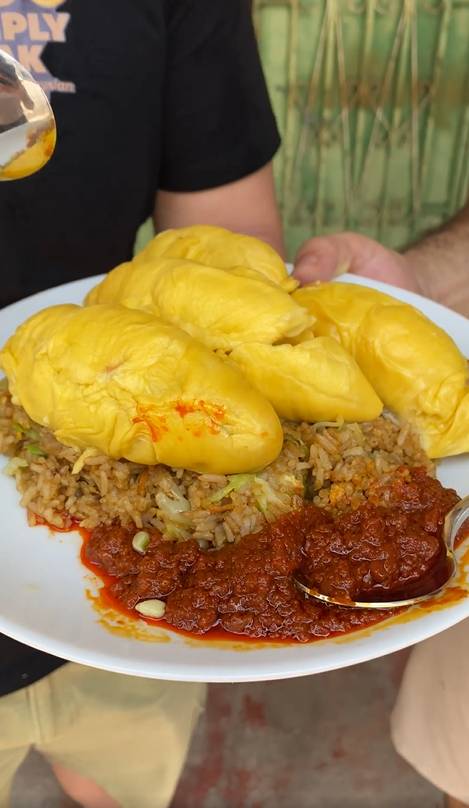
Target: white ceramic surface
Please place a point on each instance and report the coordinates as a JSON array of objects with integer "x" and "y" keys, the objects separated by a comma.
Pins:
[{"x": 43, "y": 585}]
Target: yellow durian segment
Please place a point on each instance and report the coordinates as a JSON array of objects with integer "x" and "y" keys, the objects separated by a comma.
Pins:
[
  {"x": 451, "y": 438},
  {"x": 130, "y": 284},
  {"x": 339, "y": 308},
  {"x": 123, "y": 383},
  {"x": 315, "y": 381},
  {"x": 220, "y": 248},
  {"x": 221, "y": 309},
  {"x": 419, "y": 373},
  {"x": 414, "y": 366}
]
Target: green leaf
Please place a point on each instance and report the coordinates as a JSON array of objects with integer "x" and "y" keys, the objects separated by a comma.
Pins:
[
  {"x": 236, "y": 482},
  {"x": 36, "y": 450},
  {"x": 17, "y": 427}
]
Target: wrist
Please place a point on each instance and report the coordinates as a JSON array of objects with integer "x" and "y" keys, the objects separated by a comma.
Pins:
[
  {"x": 418, "y": 274},
  {"x": 440, "y": 277}
]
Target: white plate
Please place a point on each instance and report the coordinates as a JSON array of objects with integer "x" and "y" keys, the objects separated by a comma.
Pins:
[{"x": 43, "y": 600}]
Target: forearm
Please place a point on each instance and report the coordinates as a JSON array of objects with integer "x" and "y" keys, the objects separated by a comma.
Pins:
[
  {"x": 247, "y": 206},
  {"x": 440, "y": 263}
]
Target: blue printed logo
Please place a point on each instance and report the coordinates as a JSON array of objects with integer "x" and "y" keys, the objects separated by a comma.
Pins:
[{"x": 26, "y": 27}]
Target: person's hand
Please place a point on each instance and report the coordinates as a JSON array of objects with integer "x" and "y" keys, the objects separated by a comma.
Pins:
[{"x": 326, "y": 257}]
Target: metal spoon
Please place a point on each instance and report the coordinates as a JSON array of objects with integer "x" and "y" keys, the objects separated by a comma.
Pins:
[
  {"x": 453, "y": 522},
  {"x": 27, "y": 123}
]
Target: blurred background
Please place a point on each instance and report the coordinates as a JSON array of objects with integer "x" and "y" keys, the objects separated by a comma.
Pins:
[
  {"x": 316, "y": 742},
  {"x": 372, "y": 100}
]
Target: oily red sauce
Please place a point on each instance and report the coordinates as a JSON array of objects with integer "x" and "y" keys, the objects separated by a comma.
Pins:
[{"x": 390, "y": 545}]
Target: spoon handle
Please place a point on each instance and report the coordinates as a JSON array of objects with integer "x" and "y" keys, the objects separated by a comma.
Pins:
[{"x": 455, "y": 520}]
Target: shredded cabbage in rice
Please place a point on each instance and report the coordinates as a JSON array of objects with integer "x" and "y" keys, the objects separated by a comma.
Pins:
[{"x": 332, "y": 464}]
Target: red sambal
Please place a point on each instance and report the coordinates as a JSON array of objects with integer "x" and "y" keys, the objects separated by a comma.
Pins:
[{"x": 392, "y": 544}]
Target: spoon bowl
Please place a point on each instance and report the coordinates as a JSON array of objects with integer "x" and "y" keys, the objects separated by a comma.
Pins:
[
  {"x": 27, "y": 123},
  {"x": 454, "y": 520}
]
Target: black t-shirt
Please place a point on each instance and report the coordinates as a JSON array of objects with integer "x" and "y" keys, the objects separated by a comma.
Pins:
[{"x": 148, "y": 95}]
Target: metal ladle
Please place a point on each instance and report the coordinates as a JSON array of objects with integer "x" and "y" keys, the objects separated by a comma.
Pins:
[
  {"x": 452, "y": 524},
  {"x": 27, "y": 123}
]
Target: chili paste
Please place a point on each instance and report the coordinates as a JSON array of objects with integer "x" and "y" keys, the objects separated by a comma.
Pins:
[{"x": 392, "y": 545}]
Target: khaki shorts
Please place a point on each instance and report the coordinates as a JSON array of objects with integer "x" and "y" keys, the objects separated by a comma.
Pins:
[
  {"x": 128, "y": 735},
  {"x": 430, "y": 723}
]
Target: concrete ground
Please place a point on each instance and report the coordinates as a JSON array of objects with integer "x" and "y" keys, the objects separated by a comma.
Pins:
[{"x": 317, "y": 742}]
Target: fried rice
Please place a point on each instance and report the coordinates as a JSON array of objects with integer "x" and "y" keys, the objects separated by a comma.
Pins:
[{"x": 334, "y": 465}]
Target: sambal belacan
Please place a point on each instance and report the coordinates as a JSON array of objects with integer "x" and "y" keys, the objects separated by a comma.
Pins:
[{"x": 387, "y": 545}]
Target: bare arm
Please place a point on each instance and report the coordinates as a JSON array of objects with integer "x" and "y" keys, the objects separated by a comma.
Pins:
[
  {"x": 246, "y": 206},
  {"x": 441, "y": 263}
]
